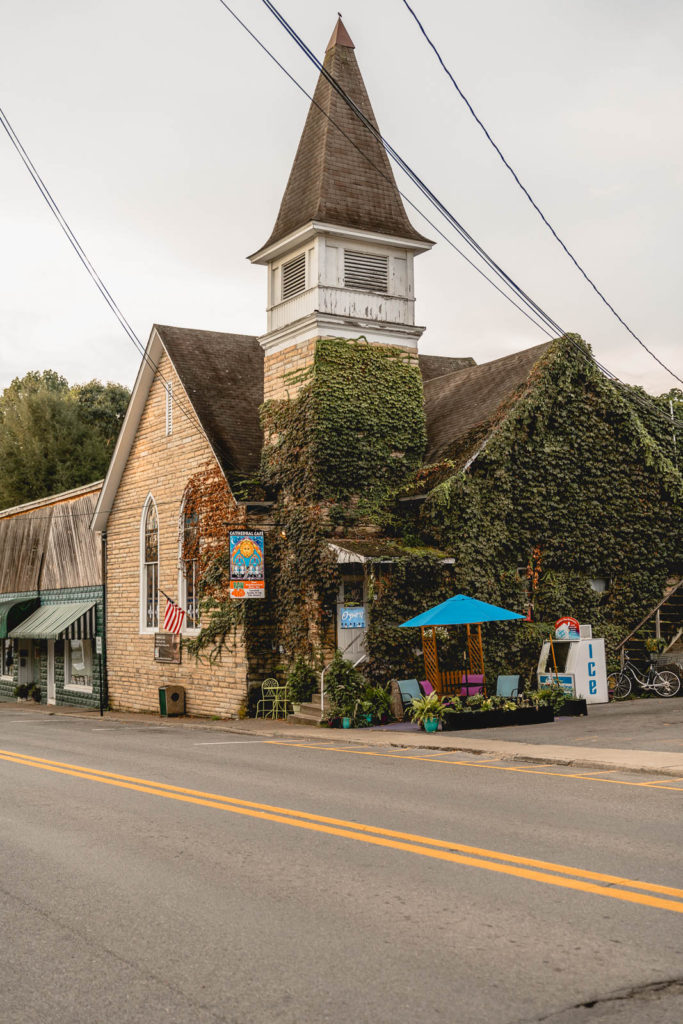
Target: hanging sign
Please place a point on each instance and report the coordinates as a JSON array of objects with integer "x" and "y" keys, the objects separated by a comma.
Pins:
[
  {"x": 353, "y": 617},
  {"x": 247, "y": 564}
]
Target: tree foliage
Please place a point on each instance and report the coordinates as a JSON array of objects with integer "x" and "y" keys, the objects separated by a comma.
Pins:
[{"x": 54, "y": 436}]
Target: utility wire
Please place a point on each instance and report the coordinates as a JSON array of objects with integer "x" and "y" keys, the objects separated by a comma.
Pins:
[
  {"x": 379, "y": 170},
  {"x": 407, "y": 169},
  {"x": 531, "y": 199},
  {"x": 651, "y": 409},
  {"x": 78, "y": 249}
]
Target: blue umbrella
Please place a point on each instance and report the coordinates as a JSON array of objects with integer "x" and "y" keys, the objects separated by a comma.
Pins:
[{"x": 459, "y": 611}]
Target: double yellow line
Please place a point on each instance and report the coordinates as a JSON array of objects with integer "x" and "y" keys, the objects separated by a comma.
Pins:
[{"x": 594, "y": 882}]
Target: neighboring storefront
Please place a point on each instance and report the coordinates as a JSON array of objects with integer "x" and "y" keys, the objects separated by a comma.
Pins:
[{"x": 51, "y": 630}]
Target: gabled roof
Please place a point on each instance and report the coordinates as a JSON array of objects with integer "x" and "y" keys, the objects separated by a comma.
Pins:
[
  {"x": 438, "y": 366},
  {"x": 341, "y": 175},
  {"x": 222, "y": 375},
  {"x": 461, "y": 405}
]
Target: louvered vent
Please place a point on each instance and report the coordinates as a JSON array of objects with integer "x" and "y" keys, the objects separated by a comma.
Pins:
[
  {"x": 294, "y": 276},
  {"x": 365, "y": 272}
]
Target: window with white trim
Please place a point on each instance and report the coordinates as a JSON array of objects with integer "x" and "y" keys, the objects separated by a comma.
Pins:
[
  {"x": 150, "y": 566},
  {"x": 189, "y": 599},
  {"x": 169, "y": 408},
  {"x": 294, "y": 276},
  {"x": 366, "y": 272},
  {"x": 6, "y": 658},
  {"x": 78, "y": 658}
]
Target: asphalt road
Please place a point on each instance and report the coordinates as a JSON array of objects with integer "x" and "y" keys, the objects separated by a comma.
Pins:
[{"x": 190, "y": 877}]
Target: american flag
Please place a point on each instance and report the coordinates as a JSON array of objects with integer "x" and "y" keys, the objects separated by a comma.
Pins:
[{"x": 174, "y": 616}]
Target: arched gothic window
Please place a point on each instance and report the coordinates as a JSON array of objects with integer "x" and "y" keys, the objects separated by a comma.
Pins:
[
  {"x": 150, "y": 566},
  {"x": 187, "y": 583}
]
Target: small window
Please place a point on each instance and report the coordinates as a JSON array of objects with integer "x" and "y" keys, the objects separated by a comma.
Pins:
[
  {"x": 6, "y": 658},
  {"x": 169, "y": 408},
  {"x": 78, "y": 665},
  {"x": 366, "y": 272},
  {"x": 294, "y": 276}
]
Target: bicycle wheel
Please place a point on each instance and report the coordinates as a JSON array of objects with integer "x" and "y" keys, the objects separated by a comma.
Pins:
[
  {"x": 666, "y": 684},
  {"x": 618, "y": 685}
]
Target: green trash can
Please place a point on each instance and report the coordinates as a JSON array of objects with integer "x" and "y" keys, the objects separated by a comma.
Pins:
[{"x": 171, "y": 700}]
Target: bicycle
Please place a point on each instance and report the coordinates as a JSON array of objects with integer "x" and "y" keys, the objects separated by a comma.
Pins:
[{"x": 664, "y": 683}]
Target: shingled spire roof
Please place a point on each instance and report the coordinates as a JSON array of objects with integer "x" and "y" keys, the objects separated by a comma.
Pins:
[{"x": 341, "y": 178}]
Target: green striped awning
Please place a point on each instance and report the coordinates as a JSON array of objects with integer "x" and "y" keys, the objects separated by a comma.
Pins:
[
  {"x": 12, "y": 612},
  {"x": 73, "y": 621}
]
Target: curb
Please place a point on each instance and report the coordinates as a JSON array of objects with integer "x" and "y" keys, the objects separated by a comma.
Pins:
[{"x": 525, "y": 755}]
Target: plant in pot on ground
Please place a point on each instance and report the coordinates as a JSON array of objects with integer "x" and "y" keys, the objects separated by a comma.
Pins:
[
  {"x": 21, "y": 691},
  {"x": 428, "y": 711},
  {"x": 302, "y": 682},
  {"x": 345, "y": 687}
]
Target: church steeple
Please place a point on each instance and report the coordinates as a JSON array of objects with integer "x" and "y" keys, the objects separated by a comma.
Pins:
[
  {"x": 341, "y": 173},
  {"x": 340, "y": 257}
]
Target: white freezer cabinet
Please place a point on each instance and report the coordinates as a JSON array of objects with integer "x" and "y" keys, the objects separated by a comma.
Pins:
[{"x": 581, "y": 661}]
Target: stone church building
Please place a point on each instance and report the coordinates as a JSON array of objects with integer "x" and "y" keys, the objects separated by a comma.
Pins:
[{"x": 339, "y": 264}]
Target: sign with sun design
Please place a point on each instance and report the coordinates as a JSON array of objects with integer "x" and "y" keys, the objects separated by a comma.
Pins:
[{"x": 247, "y": 565}]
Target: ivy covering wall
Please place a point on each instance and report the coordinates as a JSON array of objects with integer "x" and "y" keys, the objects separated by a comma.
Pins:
[
  {"x": 570, "y": 487},
  {"x": 574, "y": 480}
]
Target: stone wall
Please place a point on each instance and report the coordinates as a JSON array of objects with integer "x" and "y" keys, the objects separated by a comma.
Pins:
[
  {"x": 288, "y": 360},
  {"x": 160, "y": 465}
]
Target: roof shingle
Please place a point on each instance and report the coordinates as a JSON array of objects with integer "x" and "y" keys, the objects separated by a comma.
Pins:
[
  {"x": 223, "y": 377},
  {"x": 457, "y": 404},
  {"x": 341, "y": 173}
]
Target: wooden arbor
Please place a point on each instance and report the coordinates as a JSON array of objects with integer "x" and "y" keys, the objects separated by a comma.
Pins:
[
  {"x": 450, "y": 682},
  {"x": 459, "y": 610}
]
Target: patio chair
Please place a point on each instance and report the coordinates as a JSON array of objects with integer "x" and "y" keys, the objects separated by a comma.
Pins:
[
  {"x": 426, "y": 687},
  {"x": 409, "y": 689},
  {"x": 507, "y": 686},
  {"x": 273, "y": 702},
  {"x": 474, "y": 684}
]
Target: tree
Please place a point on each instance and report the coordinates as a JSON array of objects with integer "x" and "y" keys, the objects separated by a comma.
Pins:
[{"x": 53, "y": 436}]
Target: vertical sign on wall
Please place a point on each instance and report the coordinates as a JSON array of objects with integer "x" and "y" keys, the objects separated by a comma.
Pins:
[{"x": 247, "y": 564}]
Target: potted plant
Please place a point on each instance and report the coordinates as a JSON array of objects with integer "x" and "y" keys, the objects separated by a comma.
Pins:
[
  {"x": 36, "y": 693},
  {"x": 21, "y": 691},
  {"x": 302, "y": 682},
  {"x": 655, "y": 645},
  {"x": 428, "y": 711}
]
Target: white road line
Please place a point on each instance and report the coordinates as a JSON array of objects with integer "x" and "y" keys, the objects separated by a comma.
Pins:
[{"x": 222, "y": 743}]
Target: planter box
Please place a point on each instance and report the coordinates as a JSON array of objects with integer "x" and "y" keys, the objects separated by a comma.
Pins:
[
  {"x": 495, "y": 719},
  {"x": 572, "y": 707},
  {"x": 533, "y": 716}
]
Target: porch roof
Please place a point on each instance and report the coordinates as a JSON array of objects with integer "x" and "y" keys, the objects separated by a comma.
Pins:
[
  {"x": 73, "y": 620},
  {"x": 15, "y": 609}
]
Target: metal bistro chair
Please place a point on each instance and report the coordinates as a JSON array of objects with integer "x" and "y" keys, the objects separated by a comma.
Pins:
[{"x": 273, "y": 702}]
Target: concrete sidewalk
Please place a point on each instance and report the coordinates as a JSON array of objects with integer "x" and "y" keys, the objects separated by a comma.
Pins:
[{"x": 605, "y": 740}]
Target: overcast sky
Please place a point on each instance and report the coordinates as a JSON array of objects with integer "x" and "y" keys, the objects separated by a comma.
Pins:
[{"x": 167, "y": 136}]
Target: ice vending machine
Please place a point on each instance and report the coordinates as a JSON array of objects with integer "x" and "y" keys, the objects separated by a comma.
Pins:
[{"x": 581, "y": 667}]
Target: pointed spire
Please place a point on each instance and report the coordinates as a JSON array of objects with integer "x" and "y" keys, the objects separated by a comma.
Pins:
[
  {"x": 341, "y": 174},
  {"x": 340, "y": 37}
]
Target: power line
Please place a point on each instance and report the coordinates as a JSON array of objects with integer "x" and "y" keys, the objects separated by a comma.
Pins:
[
  {"x": 531, "y": 199},
  {"x": 414, "y": 177},
  {"x": 101, "y": 287},
  {"x": 379, "y": 170},
  {"x": 625, "y": 389}
]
